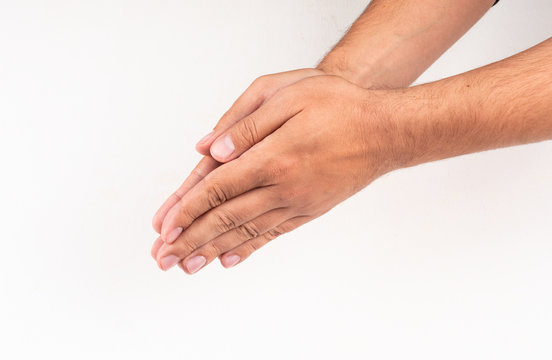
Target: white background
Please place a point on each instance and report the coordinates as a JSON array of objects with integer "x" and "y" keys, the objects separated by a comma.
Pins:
[{"x": 101, "y": 103}]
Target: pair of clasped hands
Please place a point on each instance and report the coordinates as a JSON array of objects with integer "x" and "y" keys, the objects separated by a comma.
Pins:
[{"x": 291, "y": 147}]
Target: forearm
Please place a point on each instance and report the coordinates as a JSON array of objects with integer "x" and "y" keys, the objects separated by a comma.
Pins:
[
  {"x": 394, "y": 41},
  {"x": 503, "y": 104}
]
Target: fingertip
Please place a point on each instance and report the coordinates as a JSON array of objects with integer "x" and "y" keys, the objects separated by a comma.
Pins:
[
  {"x": 171, "y": 227},
  {"x": 168, "y": 262},
  {"x": 167, "y": 224},
  {"x": 203, "y": 145},
  {"x": 156, "y": 223},
  {"x": 159, "y": 217},
  {"x": 203, "y": 149},
  {"x": 155, "y": 247},
  {"x": 229, "y": 261},
  {"x": 160, "y": 251}
]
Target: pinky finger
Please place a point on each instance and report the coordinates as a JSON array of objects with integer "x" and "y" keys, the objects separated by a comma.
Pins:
[{"x": 244, "y": 250}]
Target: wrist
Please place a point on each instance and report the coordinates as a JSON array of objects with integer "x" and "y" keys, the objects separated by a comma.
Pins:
[
  {"x": 339, "y": 63},
  {"x": 411, "y": 119},
  {"x": 432, "y": 122}
]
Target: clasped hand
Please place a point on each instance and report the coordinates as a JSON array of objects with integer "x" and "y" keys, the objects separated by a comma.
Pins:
[{"x": 284, "y": 154}]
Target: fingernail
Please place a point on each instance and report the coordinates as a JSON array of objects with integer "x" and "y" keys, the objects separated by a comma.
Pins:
[
  {"x": 206, "y": 138},
  {"x": 222, "y": 148},
  {"x": 168, "y": 262},
  {"x": 231, "y": 260},
  {"x": 195, "y": 263},
  {"x": 174, "y": 234}
]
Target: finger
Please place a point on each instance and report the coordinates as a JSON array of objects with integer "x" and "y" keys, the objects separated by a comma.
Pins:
[
  {"x": 221, "y": 185},
  {"x": 204, "y": 167},
  {"x": 262, "y": 89},
  {"x": 166, "y": 262},
  {"x": 243, "y": 251},
  {"x": 156, "y": 246},
  {"x": 248, "y": 102},
  {"x": 226, "y": 217},
  {"x": 253, "y": 128},
  {"x": 203, "y": 255}
]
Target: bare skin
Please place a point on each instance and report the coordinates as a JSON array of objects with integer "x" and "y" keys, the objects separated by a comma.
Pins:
[
  {"x": 389, "y": 46},
  {"x": 290, "y": 166},
  {"x": 294, "y": 167}
]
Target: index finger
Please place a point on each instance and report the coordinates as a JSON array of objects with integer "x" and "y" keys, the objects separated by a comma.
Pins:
[
  {"x": 222, "y": 184},
  {"x": 204, "y": 167}
]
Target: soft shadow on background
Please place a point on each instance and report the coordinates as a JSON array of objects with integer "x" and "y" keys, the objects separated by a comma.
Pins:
[{"x": 101, "y": 103}]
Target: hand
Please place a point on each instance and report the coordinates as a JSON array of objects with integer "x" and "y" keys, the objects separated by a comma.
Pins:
[
  {"x": 262, "y": 89},
  {"x": 323, "y": 139}
]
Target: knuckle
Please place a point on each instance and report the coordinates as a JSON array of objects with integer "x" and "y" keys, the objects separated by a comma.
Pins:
[
  {"x": 248, "y": 231},
  {"x": 224, "y": 221},
  {"x": 260, "y": 89},
  {"x": 198, "y": 173},
  {"x": 251, "y": 247},
  {"x": 282, "y": 167},
  {"x": 261, "y": 81},
  {"x": 216, "y": 194},
  {"x": 249, "y": 131},
  {"x": 216, "y": 248},
  {"x": 290, "y": 195},
  {"x": 302, "y": 89},
  {"x": 290, "y": 94},
  {"x": 273, "y": 233},
  {"x": 284, "y": 195},
  {"x": 211, "y": 250},
  {"x": 185, "y": 217},
  {"x": 185, "y": 247}
]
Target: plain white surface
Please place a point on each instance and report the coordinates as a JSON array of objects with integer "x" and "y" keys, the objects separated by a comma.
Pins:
[{"x": 101, "y": 103}]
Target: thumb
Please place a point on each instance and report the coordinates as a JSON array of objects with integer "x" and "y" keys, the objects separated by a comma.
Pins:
[
  {"x": 253, "y": 128},
  {"x": 258, "y": 93}
]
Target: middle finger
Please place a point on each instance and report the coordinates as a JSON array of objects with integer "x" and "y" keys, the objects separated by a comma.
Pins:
[
  {"x": 222, "y": 184},
  {"x": 230, "y": 215}
]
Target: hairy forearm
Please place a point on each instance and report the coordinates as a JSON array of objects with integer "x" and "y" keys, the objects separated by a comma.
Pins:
[
  {"x": 502, "y": 104},
  {"x": 394, "y": 41}
]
